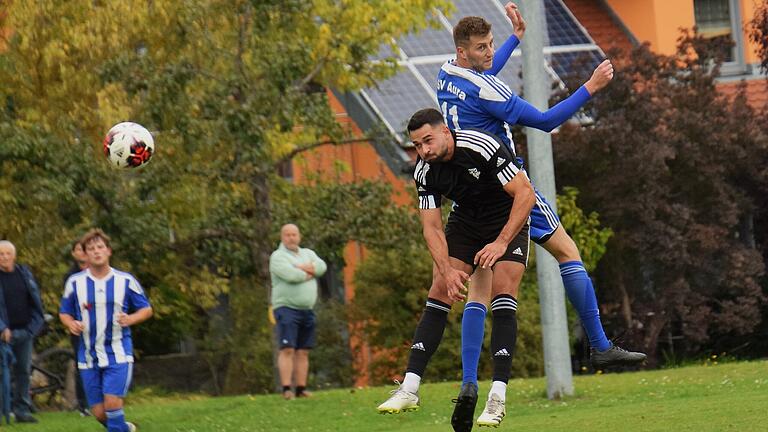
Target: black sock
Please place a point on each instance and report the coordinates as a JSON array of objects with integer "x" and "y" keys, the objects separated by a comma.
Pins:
[
  {"x": 286, "y": 388},
  {"x": 300, "y": 390},
  {"x": 503, "y": 335},
  {"x": 428, "y": 334}
]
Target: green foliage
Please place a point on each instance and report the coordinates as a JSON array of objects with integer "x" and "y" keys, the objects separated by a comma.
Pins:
[
  {"x": 229, "y": 88},
  {"x": 332, "y": 214},
  {"x": 391, "y": 290},
  {"x": 585, "y": 230}
]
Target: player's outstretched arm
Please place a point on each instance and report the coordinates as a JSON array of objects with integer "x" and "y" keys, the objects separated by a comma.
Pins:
[
  {"x": 521, "y": 190},
  {"x": 504, "y": 52},
  {"x": 600, "y": 78},
  {"x": 432, "y": 228},
  {"x": 558, "y": 114}
]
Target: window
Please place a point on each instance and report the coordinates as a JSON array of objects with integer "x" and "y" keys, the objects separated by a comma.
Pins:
[{"x": 719, "y": 19}]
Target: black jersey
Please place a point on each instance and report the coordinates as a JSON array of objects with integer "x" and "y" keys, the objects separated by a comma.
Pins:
[{"x": 473, "y": 179}]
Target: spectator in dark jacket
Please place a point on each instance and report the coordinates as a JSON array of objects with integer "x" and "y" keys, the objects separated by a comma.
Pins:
[{"x": 21, "y": 318}]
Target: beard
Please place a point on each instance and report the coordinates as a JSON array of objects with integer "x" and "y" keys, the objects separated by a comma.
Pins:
[{"x": 480, "y": 64}]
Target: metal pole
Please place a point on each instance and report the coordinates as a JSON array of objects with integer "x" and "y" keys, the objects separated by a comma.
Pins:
[{"x": 554, "y": 322}]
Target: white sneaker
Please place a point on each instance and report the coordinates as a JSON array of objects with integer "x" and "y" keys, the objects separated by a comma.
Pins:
[
  {"x": 493, "y": 413},
  {"x": 400, "y": 401},
  {"x": 131, "y": 427}
]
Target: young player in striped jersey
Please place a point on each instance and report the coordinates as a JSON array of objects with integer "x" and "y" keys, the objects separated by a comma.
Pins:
[
  {"x": 100, "y": 304},
  {"x": 488, "y": 228},
  {"x": 471, "y": 96}
]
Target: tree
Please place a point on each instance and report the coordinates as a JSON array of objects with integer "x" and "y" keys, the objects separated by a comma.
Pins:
[
  {"x": 677, "y": 171},
  {"x": 229, "y": 87}
]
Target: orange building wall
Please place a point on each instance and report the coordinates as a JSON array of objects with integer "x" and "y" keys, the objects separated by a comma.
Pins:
[
  {"x": 655, "y": 21},
  {"x": 747, "y": 13},
  {"x": 659, "y": 22},
  {"x": 359, "y": 161}
]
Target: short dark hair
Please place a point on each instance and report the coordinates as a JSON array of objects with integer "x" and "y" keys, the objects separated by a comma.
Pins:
[
  {"x": 429, "y": 116},
  {"x": 92, "y": 235},
  {"x": 468, "y": 27},
  {"x": 77, "y": 245}
]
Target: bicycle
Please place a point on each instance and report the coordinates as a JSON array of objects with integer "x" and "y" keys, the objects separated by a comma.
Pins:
[{"x": 51, "y": 370}]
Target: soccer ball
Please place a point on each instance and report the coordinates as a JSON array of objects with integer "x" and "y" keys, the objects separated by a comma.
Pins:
[{"x": 128, "y": 145}]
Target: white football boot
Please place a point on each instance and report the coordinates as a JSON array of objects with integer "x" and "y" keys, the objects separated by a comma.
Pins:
[
  {"x": 400, "y": 401},
  {"x": 493, "y": 413}
]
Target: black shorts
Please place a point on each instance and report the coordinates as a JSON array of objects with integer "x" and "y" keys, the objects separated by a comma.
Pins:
[
  {"x": 466, "y": 236},
  {"x": 295, "y": 328}
]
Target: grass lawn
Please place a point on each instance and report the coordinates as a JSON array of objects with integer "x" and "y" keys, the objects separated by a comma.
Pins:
[{"x": 724, "y": 397}]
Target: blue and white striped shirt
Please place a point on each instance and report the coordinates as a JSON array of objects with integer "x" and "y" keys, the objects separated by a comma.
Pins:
[{"x": 96, "y": 303}]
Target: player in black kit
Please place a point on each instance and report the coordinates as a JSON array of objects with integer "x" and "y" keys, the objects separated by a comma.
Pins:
[{"x": 488, "y": 226}]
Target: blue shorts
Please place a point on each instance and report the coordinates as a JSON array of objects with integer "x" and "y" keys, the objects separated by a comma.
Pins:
[
  {"x": 112, "y": 380},
  {"x": 544, "y": 220},
  {"x": 295, "y": 327}
]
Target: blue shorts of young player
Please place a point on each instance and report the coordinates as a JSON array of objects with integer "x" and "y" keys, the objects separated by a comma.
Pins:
[
  {"x": 295, "y": 327},
  {"x": 544, "y": 220},
  {"x": 114, "y": 380}
]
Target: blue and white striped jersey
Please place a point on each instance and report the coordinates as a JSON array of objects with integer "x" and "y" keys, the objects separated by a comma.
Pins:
[
  {"x": 469, "y": 99},
  {"x": 473, "y": 178},
  {"x": 96, "y": 303}
]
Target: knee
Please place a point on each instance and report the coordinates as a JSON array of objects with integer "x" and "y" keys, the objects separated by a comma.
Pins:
[
  {"x": 563, "y": 248},
  {"x": 112, "y": 403},
  {"x": 508, "y": 289},
  {"x": 302, "y": 354},
  {"x": 288, "y": 352},
  {"x": 439, "y": 291}
]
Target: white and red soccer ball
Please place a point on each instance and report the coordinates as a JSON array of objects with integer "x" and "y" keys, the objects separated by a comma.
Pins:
[{"x": 129, "y": 145}]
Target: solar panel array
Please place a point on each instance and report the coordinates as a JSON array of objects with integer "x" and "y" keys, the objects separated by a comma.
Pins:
[{"x": 570, "y": 52}]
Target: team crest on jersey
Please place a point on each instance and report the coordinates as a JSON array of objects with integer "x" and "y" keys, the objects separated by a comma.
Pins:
[
  {"x": 500, "y": 161},
  {"x": 475, "y": 173}
]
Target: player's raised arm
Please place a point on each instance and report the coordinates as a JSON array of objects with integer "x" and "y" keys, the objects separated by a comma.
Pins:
[{"x": 502, "y": 55}]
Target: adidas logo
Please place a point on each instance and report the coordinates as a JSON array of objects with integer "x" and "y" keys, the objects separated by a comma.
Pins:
[
  {"x": 502, "y": 352},
  {"x": 517, "y": 251},
  {"x": 475, "y": 173},
  {"x": 418, "y": 346},
  {"x": 500, "y": 161}
]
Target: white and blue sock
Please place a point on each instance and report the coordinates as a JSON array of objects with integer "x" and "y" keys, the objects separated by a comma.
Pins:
[
  {"x": 581, "y": 293},
  {"x": 116, "y": 421},
  {"x": 472, "y": 332}
]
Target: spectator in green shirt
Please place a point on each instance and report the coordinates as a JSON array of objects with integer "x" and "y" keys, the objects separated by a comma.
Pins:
[{"x": 294, "y": 273}]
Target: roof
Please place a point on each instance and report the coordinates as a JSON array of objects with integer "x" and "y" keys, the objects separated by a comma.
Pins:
[
  {"x": 608, "y": 32},
  {"x": 757, "y": 90},
  {"x": 603, "y": 25},
  {"x": 569, "y": 49}
]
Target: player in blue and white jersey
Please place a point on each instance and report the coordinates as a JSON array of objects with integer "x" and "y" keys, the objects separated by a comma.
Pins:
[
  {"x": 471, "y": 96},
  {"x": 100, "y": 304}
]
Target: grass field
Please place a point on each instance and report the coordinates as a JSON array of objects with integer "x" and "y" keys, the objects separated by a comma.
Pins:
[{"x": 724, "y": 397}]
